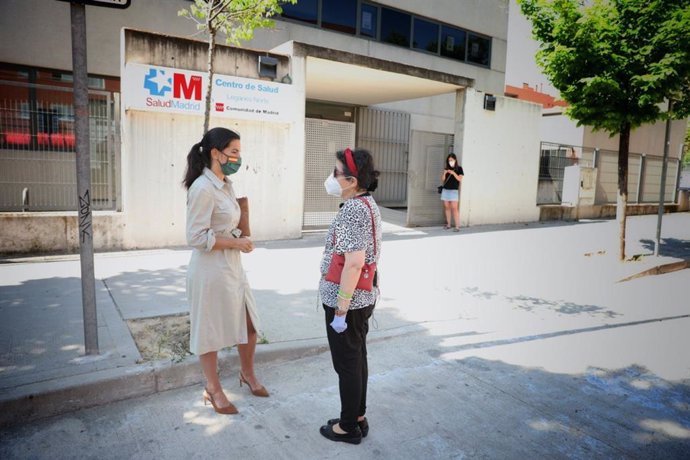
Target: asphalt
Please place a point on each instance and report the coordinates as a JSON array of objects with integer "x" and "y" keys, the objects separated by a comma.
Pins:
[{"x": 490, "y": 281}]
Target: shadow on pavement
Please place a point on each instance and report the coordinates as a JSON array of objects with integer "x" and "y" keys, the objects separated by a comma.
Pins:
[
  {"x": 670, "y": 247},
  {"x": 603, "y": 413},
  {"x": 529, "y": 303},
  {"x": 42, "y": 332}
]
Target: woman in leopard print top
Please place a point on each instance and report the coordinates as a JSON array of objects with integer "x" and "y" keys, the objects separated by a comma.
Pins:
[{"x": 355, "y": 233}]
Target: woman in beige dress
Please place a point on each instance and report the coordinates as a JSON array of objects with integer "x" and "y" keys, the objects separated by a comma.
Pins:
[{"x": 222, "y": 308}]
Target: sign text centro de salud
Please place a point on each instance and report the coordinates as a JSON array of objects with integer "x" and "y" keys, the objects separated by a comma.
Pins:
[{"x": 164, "y": 89}]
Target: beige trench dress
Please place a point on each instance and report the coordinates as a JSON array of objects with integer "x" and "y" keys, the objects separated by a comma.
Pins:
[{"x": 217, "y": 287}]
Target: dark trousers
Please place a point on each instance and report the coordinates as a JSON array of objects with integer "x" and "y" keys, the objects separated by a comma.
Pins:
[{"x": 349, "y": 354}]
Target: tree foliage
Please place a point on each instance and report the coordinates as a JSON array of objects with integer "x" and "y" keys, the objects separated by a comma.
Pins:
[
  {"x": 236, "y": 19},
  {"x": 615, "y": 62}
]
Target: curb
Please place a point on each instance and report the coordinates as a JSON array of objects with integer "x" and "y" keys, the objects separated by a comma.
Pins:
[
  {"x": 60, "y": 396},
  {"x": 660, "y": 270}
]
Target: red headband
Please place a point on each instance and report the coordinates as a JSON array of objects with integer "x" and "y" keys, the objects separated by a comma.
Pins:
[{"x": 350, "y": 162}]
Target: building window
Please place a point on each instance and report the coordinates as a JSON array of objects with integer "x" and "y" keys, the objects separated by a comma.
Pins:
[
  {"x": 453, "y": 43},
  {"x": 425, "y": 36},
  {"x": 340, "y": 15},
  {"x": 304, "y": 10},
  {"x": 478, "y": 49},
  {"x": 368, "y": 20},
  {"x": 395, "y": 27},
  {"x": 392, "y": 26}
]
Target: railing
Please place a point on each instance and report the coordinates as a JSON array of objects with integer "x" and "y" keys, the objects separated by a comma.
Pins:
[
  {"x": 553, "y": 160},
  {"x": 644, "y": 174},
  {"x": 37, "y": 142}
]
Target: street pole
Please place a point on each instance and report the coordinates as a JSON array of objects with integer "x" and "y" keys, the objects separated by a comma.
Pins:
[
  {"x": 664, "y": 166},
  {"x": 81, "y": 128}
]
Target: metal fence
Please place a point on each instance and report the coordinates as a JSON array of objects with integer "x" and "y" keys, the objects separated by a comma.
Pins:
[
  {"x": 553, "y": 160},
  {"x": 644, "y": 174},
  {"x": 37, "y": 142}
]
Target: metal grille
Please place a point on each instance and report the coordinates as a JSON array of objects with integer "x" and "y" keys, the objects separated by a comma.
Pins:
[
  {"x": 37, "y": 142},
  {"x": 322, "y": 139},
  {"x": 652, "y": 180},
  {"x": 553, "y": 160},
  {"x": 644, "y": 174},
  {"x": 386, "y": 134}
]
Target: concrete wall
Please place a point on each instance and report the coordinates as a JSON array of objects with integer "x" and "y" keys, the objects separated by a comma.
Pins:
[
  {"x": 488, "y": 17},
  {"x": 155, "y": 146},
  {"x": 434, "y": 114},
  {"x": 647, "y": 139},
  {"x": 499, "y": 152},
  {"x": 561, "y": 130},
  {"x": 23, "y": 232},
  {"x": 37, "y": 33}
]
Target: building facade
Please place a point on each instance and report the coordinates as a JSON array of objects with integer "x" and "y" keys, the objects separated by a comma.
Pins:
[{"x": 408, "y": 80}]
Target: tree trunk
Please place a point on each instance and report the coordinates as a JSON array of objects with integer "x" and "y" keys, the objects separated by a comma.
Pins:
[
  {"x": 622, "y": 202},
  {"x": 209, "y": 67}
]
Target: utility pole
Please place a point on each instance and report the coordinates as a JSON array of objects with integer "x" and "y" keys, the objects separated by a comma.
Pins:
[
  {"x": 83, "y": 154},
  {"x": 664, "y": 167}
]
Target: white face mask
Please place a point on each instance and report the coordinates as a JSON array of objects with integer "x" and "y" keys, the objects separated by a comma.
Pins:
[
  {"x": 451, "y": 163},
  {"x": 332, "y": 186}
]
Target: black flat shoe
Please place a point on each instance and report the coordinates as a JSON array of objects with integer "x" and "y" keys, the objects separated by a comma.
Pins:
[
  {"x": 353, "y": 437},
  {"x": 363, "y": 425}
]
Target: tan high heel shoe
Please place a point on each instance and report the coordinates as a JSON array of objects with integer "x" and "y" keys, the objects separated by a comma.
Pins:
[
  {"x": 261, "y": 392},
  {"x": 228, "y": 410}
]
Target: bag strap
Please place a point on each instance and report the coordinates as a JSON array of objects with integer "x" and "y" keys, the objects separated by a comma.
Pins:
[
  {"x": 373, "y": 225},
  {"x": 447, "y": 177}
]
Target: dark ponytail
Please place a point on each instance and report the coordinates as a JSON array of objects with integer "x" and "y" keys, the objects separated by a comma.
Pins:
[{"x": 199, "y": 157}]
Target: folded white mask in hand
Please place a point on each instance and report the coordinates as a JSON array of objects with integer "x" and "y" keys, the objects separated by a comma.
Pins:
[{"x": 338, "y": 324}]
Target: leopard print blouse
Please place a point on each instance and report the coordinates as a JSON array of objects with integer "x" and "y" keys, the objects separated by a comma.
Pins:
[{"x": 353, "y": 232}]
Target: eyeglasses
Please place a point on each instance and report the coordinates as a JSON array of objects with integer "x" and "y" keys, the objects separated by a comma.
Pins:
[{"x": 337, "y": 173}]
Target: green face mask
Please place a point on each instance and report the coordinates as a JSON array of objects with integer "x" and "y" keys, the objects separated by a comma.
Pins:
[{"x": 231, "y": 166}]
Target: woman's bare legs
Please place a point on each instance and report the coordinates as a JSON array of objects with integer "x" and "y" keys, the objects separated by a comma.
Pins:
[
  {"x": 209, "y": 365},
  {"x": 456, "y": 213},
  {"x": 247, "y": 352},
  {"x": 447, "y": 210}
]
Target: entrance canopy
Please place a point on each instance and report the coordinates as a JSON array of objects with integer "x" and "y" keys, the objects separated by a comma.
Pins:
[
  {"x": 353, "y": 84},
  {"x": 340, "y": 76}
]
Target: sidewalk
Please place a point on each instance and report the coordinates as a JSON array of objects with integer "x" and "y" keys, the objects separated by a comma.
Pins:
[{"x": 494, "y": 279}]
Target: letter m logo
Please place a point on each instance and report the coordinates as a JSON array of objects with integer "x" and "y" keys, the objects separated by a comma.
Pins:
[{"x": 189, "y": 90}]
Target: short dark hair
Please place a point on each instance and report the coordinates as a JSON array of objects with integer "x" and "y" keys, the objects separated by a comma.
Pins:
[{"x": 367, "y": 176}]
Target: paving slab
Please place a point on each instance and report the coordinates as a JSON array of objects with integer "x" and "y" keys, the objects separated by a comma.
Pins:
[{"x": 506, "y": 284}]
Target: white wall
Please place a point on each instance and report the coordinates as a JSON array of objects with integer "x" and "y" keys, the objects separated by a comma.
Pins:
[
  {"x": 155, "y": 146},
  {"x": 521, "y": 65},
  {"x": 647, "y": 139},
  {"x": 434, "y": 114},
  {"x": 499, "y": 152},
  {"x": 561, "y": 130},
  {"x": 154, "y": 153}
]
